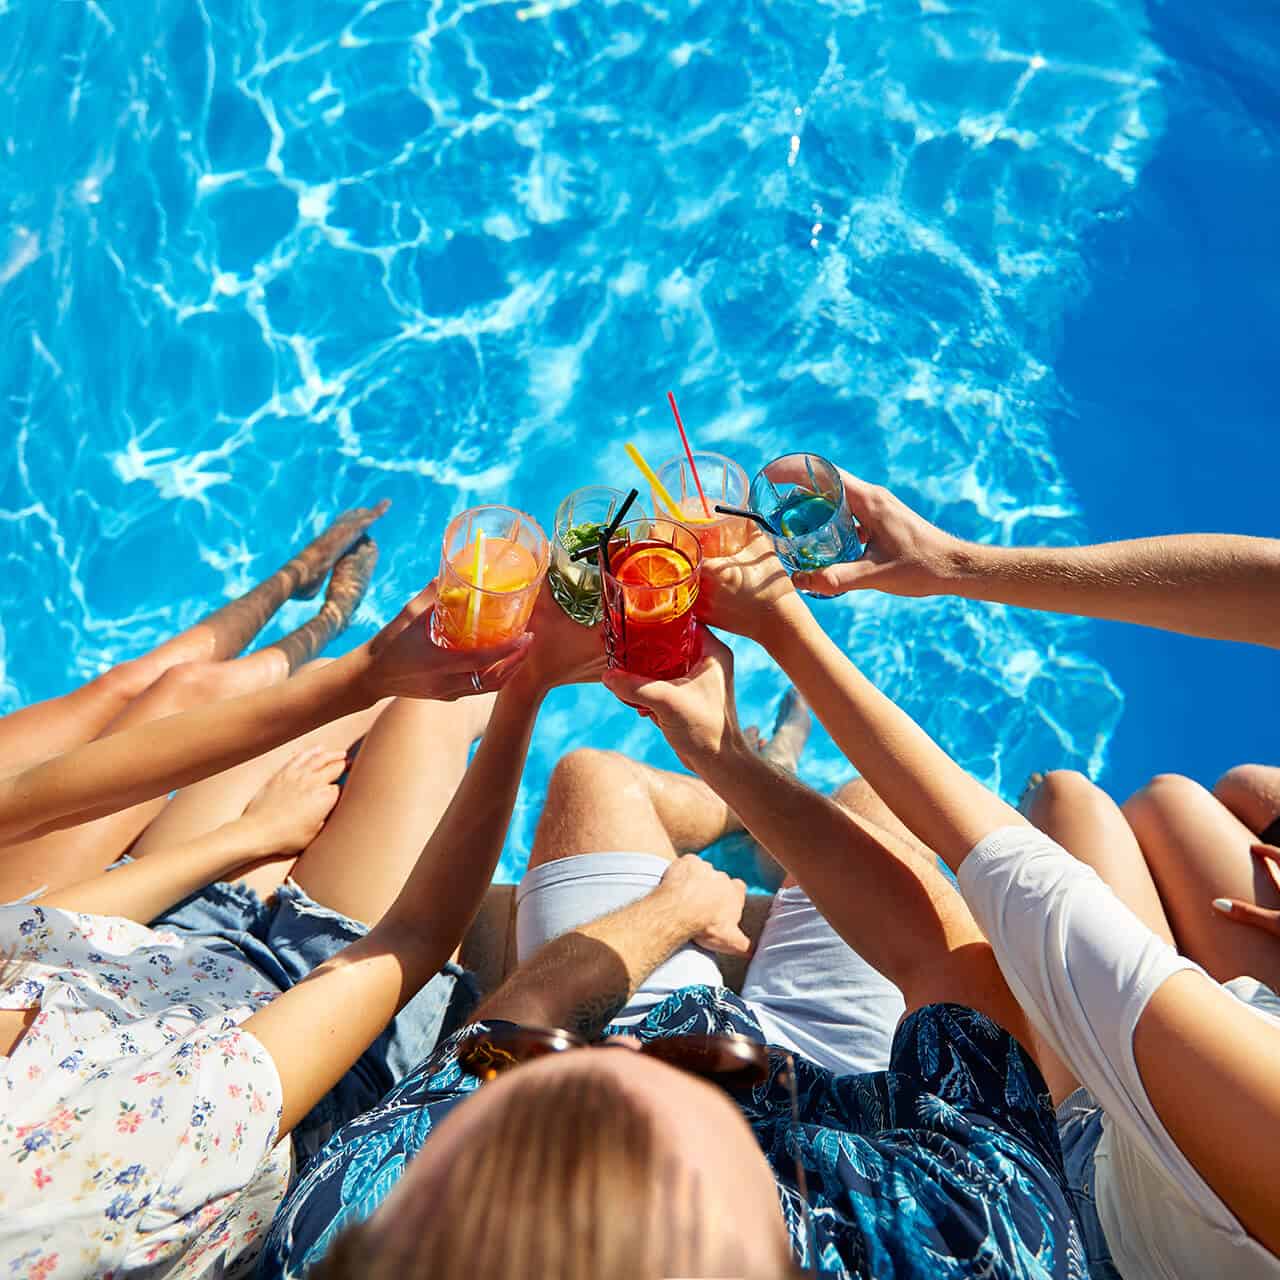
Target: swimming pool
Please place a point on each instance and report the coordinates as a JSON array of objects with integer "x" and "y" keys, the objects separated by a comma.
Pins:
[{"x": 261, "y": 263}]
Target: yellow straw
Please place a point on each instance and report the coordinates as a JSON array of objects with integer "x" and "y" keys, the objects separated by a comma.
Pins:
[
  {"x": 659, "y": 489},
  {"x": 473, "y": 605}
]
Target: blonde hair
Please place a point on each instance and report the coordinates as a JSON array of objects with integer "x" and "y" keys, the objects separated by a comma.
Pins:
[{"x": 569, "y": 1181}]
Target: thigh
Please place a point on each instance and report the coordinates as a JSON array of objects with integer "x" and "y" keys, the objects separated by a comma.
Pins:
[
  {"x": 561, "y": 895},
  {"x": 1086, "y": 822},
  {"x": 814, "y": 994},
  {"x": 1199, "y": 850},
  {"x": 198, "y": 809}
]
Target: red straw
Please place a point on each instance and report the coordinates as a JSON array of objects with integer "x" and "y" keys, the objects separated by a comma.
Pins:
[{"x": 688, "y": 453}]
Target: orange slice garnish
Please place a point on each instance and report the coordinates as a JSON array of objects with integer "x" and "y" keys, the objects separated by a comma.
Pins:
[{"x": 657, "y": 583}]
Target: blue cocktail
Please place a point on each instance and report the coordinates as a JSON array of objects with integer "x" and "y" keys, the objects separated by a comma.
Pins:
[{"x": 802, "y": 496}]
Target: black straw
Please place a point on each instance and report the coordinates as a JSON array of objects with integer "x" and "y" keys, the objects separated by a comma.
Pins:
[
  {"x": 749, "y": 515},
  {"x": 606, "y": 535}
]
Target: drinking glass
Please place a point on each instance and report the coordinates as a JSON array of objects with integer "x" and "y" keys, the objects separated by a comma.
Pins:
[
  {"x": 802, "y": 496},
  {"x": 650, "y": 586},
  {"x": 579, "y": 520},
  {"x": 723, "y": 481},
  {"x": 491, "y": 569}
]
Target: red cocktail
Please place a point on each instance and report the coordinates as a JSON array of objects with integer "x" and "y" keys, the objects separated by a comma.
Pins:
[{"x": 649, "y": 592}]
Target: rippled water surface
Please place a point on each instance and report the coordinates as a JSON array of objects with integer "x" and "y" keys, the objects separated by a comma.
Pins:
[{"x": 260, "y": 262}]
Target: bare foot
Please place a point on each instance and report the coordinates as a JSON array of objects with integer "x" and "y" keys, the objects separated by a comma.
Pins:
[
  {"x": 350, "y": 579},
  {"x": 784, "y": 749},
  {"x": 313, "y": 562},
  {"x": 347, "y": 586},
  {"x": 790, "y": 732},
  {"x": 1029, "y": 789}
]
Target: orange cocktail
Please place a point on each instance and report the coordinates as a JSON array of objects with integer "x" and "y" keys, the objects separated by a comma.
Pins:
[
  {"x": 491, "y": 569},
  {"x": 723, "y": 481},
  {"x": 650, "y": 588}
]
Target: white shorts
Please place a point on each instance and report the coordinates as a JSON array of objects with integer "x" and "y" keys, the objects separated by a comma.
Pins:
[{"x": 808, "y": 989}]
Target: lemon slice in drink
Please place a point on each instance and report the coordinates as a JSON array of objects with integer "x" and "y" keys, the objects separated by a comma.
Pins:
[
  {"x": 505, "y": 566},
  {"x": 657, "y": 583}
]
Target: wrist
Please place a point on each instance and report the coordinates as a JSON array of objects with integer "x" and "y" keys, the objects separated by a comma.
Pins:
[
  {"x": 780, "y": 619},
  {"x": 252, "y": 836},
  {"x": 358, "y": 677},
  {"x": 526, "y": 686},
  {"x": 678, "y": 919}
]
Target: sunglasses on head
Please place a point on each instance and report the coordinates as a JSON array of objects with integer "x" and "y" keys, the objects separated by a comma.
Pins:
[{"x": 733, "y": 1062}]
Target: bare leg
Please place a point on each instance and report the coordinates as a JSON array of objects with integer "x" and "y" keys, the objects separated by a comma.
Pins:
[
  {"x": 56, "y": 725},
  {"x": 402, "y": 782},
  {"x": 1086, "y": 822},
  {"x": 200, "y": 808},
  {"x": 65, "y": 857},
  {"x": 346, "y": 589},
  {"x": 1252, "y": 793},
  {"x": 1198, "y": 850},
  {"x": 601, "y": 802}
]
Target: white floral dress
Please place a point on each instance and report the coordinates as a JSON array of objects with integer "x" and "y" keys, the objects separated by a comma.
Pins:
[{"x": 137, "y": 1121}]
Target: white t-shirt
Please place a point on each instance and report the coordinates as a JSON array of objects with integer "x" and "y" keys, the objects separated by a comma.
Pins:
[
  {"x": 1083, "y": 967},
  {"x": 137, "y": 1121}
]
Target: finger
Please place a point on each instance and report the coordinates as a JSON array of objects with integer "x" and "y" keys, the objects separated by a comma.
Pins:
[
  {"x": 713, "y": 650},
  {"x": 1270, "y": 857},
  {"x": 482, "y": 659},
  {"x": 300, "y": 763},
  {"x": 420, "y": 603},
  {"x": 636, "y": 691},
  {"x": 1247, "y": 913},
  {"x": 859, "y": 493},
  {"x": 728, "y": 942},
  {"x": 837, "y": 579},
  {"x": 330, "y": 766}
]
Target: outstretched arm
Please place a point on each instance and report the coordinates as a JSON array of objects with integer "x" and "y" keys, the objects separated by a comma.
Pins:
[
  {"x": 139, "y": 764},
  {"x": 316, "y": 1030},
  {"x": 581, "y": 980},
  {"x": 1097, "y": 984},
  {"x": 858, "y": 876},
  {"x": 283, "y": 818},
  {"x": 1216, "y": 585}
]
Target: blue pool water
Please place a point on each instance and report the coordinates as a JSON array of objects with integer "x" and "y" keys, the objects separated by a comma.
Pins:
[{"x": 261, "y": 262}]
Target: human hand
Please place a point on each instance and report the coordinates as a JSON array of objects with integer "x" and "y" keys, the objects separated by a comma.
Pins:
[
  {"x": 402, "y": 661},
  {"x": 747, "y": 592},
  {"x": 291, "y": 806},
  {"x": 563, "y": 651},
  {"x": 696, "y": 713},
  {"x": 1256, "y": 917},
  {"x": 709, "y": 901},
  {"x": 905, "y": 555}
]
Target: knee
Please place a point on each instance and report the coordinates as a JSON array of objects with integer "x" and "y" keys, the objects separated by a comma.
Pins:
[
  {"x": 124, "y": 682},
  {"x": 587, "y": 769},
  {"x": 1243, "y": 784},
  {"x": 1062, "y": 791},
  {"x": 1251, "y": 792},
  {"x": 1161, "y": 799},
  {"x": 188, "y": 684},
  {"x": 858, "y": 797}
]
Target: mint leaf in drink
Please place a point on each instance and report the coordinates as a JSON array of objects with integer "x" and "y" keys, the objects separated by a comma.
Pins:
[{"x": 578, "y": 536}]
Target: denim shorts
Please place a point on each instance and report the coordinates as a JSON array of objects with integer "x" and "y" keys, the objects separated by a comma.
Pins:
[
  {"x": 1079, "y": 1130},
  {"x": 285, "y": 940}
]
